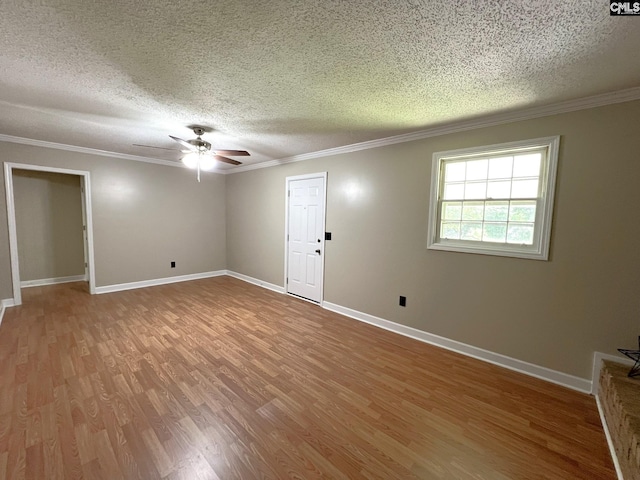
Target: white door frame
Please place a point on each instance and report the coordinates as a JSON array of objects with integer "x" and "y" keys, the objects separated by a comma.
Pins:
[
  {"x": 11, "y": 217},
  {"x": 288, "y": 181}
]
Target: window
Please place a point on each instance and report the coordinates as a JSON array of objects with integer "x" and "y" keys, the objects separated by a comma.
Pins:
[{"x": 495, "y": 200}]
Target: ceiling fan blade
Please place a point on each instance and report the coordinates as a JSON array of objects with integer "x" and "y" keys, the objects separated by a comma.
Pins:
[
  {"x": 233, "y": 153},
  {"x": 220, "y": 158},
  {"x": 151, "y": 146},
  {"x": 184, "y": 143}
]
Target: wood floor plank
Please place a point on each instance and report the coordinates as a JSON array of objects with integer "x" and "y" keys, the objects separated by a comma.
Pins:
[
  {"x": 106, "y": 456},
  {"x": 65, "y": 433},
  {"x": 53, "y": 461},
  {"x": 35, "y": 462},
  {"x": 219, "y": 379},
  {"x": 144, "y": 462},
  {"x": 158, "y": 453}
]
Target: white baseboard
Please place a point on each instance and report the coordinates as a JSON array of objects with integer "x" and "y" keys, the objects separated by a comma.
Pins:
[
  {"x": 607, "y": 434},
  {"x": 255, "y": 281},
  {"x": 543, "y": 373},
  {"x": 53, "y": 281},
  {"x": 598, "y": 357},
  {"x": 158, "y": 281},
  {"x": 7, "y": 302}
]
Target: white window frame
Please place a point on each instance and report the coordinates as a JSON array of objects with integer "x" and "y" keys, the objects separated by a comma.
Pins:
[{"x": 539, "y": 250}]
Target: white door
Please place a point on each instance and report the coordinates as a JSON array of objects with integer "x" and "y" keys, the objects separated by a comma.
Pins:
[{"x": 305, "y": 236}]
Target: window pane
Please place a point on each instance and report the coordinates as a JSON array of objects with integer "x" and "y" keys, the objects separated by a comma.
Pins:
[
  {"x": 471, "y": 231},
  {"x": 522, "y": 212},
  {"x": 500, "y": 167},
  {"x": 473, "y": 211},
  {"x": 520, "y": 233},
  {"x": 499, "y": 189},
  {"x": 454, "y": 172},
  {"x": 524, "y": 189},
  {"x": 475, "y": 190},
  {"x": 494, "y": 199},
  {"x": 454, "y": 191},
  {"x": 496, "y": 212},
  {"x": 494, "y": 232},
  {"x": 527, "y": 165},
  {"x": 450, "y": 230},
  {"x": 477, "y": 169},
  {"x": 451, "y": 210}
]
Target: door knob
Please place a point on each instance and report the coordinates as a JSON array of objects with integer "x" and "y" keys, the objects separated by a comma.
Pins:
[{"x": 318, "y": 251}]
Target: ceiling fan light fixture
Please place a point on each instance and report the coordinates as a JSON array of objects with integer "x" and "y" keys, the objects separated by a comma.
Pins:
[
  {"x": 207, "y": 162},
  {"x": 199, "y": 155},
  {"x": 191, "y": 159}
]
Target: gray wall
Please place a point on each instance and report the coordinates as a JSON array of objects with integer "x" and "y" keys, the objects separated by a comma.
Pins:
[
  {"x": 144, "y": 216},
  {"x": 554, "y": 314},
  {"x": 48, "y": 210}
]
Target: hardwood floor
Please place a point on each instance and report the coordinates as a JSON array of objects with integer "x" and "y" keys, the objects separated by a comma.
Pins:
[{"x": 220, "y": 379}]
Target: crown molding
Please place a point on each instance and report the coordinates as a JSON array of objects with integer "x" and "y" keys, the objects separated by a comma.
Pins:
[
  {"x": 567, "y": 106},
  {"x": 90, "y": 151}
]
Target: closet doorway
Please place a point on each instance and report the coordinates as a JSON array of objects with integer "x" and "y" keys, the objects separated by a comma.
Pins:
[{"x": 50, "y": 226}]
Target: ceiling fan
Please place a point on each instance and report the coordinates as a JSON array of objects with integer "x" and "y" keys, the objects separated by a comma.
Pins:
[{"x": 199, "y": 154}]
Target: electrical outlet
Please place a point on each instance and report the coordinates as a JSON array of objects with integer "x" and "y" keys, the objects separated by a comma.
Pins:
[
  {"x": 403, "y": 301},
  {"x": 173, "y": 264}
]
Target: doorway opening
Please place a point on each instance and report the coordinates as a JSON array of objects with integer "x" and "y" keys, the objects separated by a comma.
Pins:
[{"x": 12, "y": 173}]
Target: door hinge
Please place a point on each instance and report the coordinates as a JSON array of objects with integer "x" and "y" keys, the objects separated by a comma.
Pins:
[
  {"x": 287, "y": 237},
  {"x": 85, "y": 265},
  {"x": 84, "y": 227},
  {"x": 288, "y": 193},
  {"x": 287, "y": 280}
]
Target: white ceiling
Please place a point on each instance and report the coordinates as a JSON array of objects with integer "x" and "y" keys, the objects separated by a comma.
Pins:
[{"x": 284, "y": 77}]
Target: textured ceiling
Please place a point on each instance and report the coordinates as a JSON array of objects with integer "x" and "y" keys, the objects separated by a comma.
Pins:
[{"x": 281, "y": 78}]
